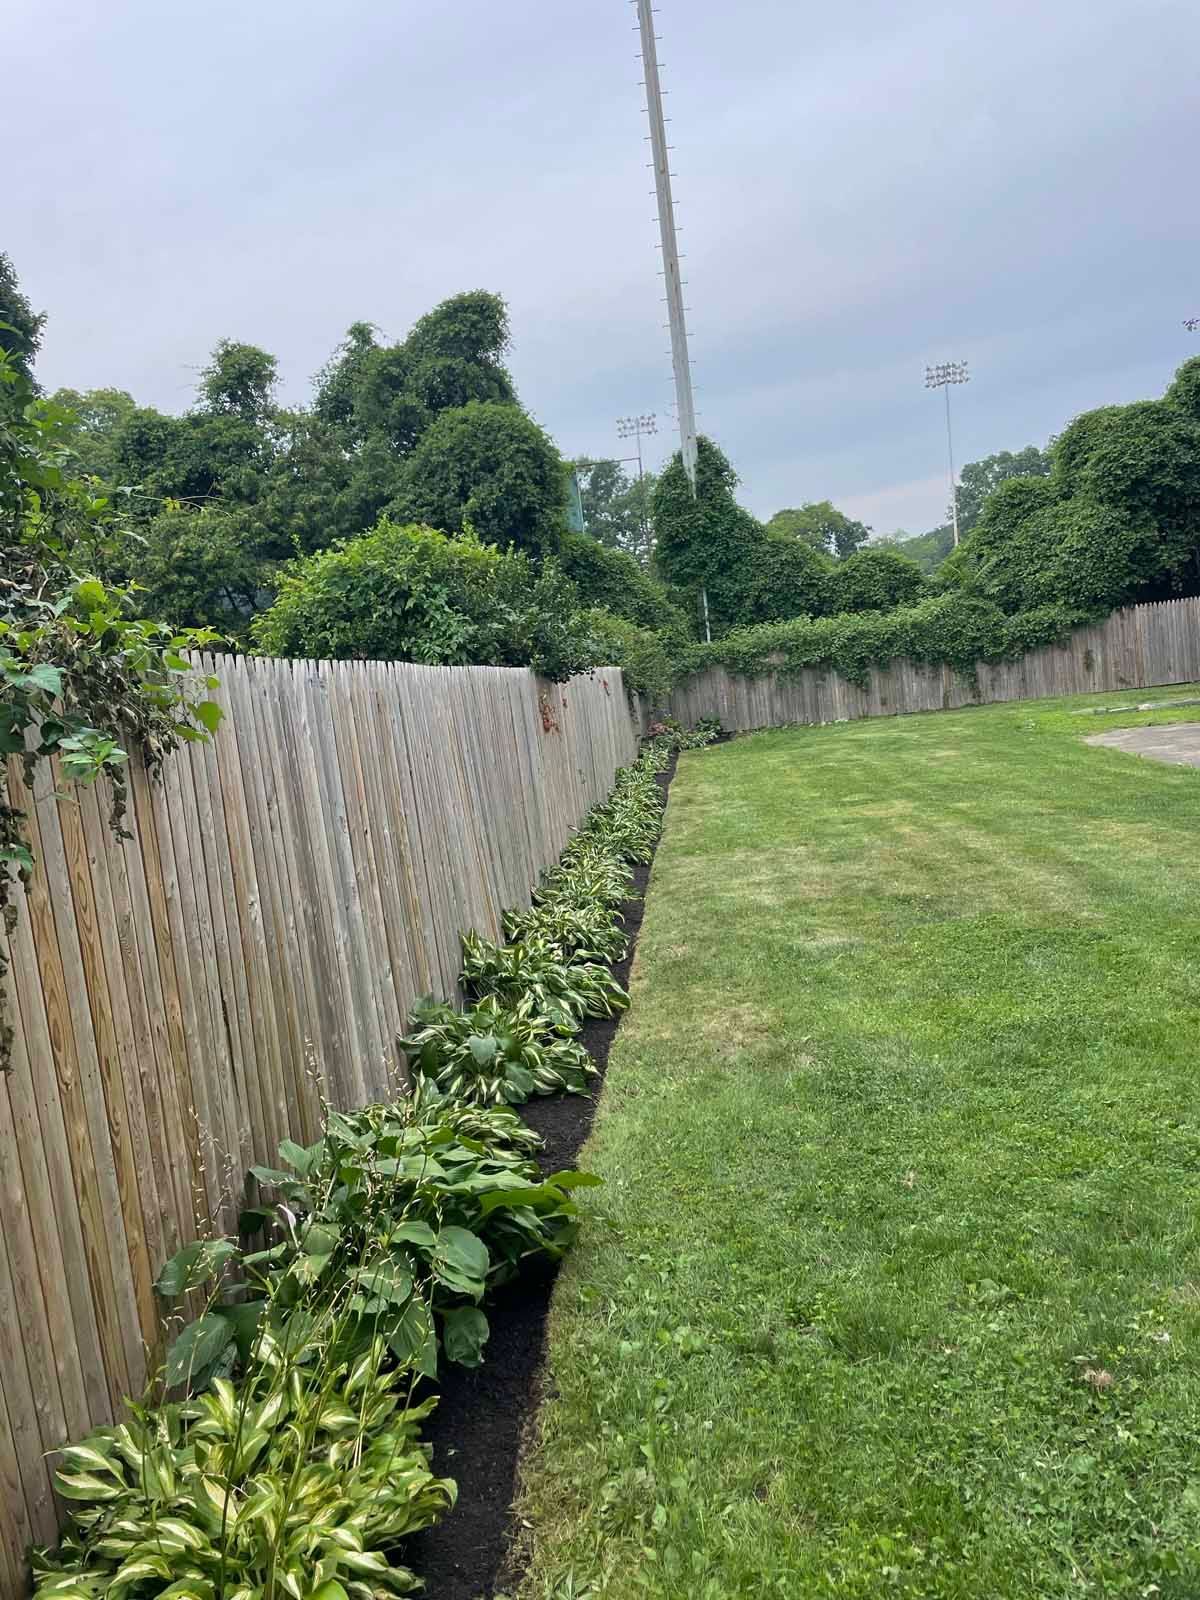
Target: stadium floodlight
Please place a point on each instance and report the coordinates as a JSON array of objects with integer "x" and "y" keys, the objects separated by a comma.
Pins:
[{"x": 942, "y": 376}]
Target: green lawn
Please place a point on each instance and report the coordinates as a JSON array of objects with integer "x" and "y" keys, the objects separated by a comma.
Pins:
[{"x": 894, "y": 1286}]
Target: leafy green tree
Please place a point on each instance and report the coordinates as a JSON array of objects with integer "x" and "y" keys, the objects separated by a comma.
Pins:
[
  {"x": 617, "y": 508},
  {"x": 203, "y": 566},
  {"x": 821, "y": 525},
  {"x": 874, "y": 579},
  {"x": 704, "y": 541},
  {"x": 453, "y": 355},
  {"x": 979, "y": 479},
  {"x": 1183, "y": 394},
  {"x": 612, "y": 580},
  {"x": 22, "y": 337},
  {"x": 99, "y": 415},
  {"x": 239, "y": 381},
  {"x": 928, "y": 550},
  {"x": 1116, "y": 521},
  {"x": 412, "y": 594},
  {"x": 488, "y": 467},
  {"x": 337, "y": 385},
  {"x": 782, "y": 578}
]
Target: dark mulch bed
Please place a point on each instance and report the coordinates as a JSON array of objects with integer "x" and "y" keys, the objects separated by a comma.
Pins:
[{"x": 477, "y": 1428}]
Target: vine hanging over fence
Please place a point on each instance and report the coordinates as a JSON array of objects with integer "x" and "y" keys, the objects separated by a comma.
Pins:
[
  {"x": 81, "y": 675},
  {"x": 955, "y": 630}
]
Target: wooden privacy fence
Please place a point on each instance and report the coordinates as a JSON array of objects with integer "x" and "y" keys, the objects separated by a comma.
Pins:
[
  {"x": 1132, "y": 649},
  {"x": 178, "y": 996}
]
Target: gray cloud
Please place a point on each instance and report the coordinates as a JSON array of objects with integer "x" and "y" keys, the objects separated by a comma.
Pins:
[{"x": 860, "y": 191}]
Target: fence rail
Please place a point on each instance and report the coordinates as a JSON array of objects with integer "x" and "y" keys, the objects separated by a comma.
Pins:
[
  {"x": 1132, "y": 649},
  {"x": 183, "y": 997}
]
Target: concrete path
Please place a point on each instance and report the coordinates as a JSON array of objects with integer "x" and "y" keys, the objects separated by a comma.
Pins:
[{"x": 1179, "y": 743}]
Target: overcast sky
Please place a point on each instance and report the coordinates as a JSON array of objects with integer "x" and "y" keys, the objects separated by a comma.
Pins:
[{"x": 862, "y": 188}]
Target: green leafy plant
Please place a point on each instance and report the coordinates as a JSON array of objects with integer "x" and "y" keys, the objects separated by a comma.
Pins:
[
  {"x": 672, "y": 734},
  {"x": 587, "y": 872},
  {"x": 562, "y": 991},
  {"x": 396, "y": 1224},
  {"x": 493, "y": 1053},
  {"x": 82, "y": 676},
  {"x": 299, "y": 1483},
  {"x": 577, "y": 931},
  {"x": 956, "y": 629},
  {"x": 410, "y": 593}
]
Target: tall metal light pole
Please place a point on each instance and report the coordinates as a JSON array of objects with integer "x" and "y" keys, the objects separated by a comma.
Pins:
[
  {"x": 670, "y": 249},
  {"x": 941, "y": 377},
  {"x": 634, "y": 428}
]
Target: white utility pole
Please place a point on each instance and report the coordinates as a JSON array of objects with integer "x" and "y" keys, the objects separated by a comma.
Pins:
[
  {"x": 670, "y": 250},
  {"x": 941, "y": 377}
]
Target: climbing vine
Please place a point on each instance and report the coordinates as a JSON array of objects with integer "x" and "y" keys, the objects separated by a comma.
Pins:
[
  {"x": 956, "y": 630},
  {"x": 83, "y": 678}
]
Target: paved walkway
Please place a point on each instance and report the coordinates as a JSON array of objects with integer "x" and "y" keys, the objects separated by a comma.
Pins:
[{"x": 1179, "y": 743}]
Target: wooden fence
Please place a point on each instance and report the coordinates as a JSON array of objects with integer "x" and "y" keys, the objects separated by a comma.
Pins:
[
  {"x": 178, "y": 996},
  {"x": 1132, "y": 649}
]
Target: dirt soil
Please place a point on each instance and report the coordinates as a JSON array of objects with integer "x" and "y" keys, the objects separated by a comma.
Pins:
[{"x": 482, "y": 1415}]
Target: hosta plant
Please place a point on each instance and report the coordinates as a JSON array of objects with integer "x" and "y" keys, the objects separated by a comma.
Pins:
[
  {"x": 562, "y": 991},
  {"x": 577, "y": 932},
  {"x": 395, "y": 1224},
  {"x": 493, "y": 1053},
  {"x": 587, "y": 871},
  {"x": 297, "y": 1485}
]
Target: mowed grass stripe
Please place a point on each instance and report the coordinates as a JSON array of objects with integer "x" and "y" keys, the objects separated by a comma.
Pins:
[{"x": 894, "y": 1286}]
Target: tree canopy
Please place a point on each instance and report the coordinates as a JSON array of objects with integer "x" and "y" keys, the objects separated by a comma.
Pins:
[
  {"x": 487, "y": 467},
  {"x": 618, "y": 508},
  {"x": 821, "y": 525},
  {"x": 23, "y": 335},
  {"x": 1116, "y": 520}
]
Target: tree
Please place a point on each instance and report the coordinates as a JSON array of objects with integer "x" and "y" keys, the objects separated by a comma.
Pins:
[
  {"x": 821, "y": 525},
  {"x": 452, "y": 355},
  {"x": 489, "y": 467},
  {"x": 617, "y": 508},
  {"x": 705, "y": 542},
  {"x": 22, "y": 338},
  {"x": 928, "y": 550},
  {"x": 874, "y": 579},
  {"x": 99, "y": 415},
  {"x": 1116, "y": 521},
  {"x": 612, "y": 580},
  {"x": 413, "y": 594},
  {"x": 782, "y": 579},
  {"x": 203, "y": 566},
  {"x": 239, "y": 381},
  {"x": 979, "y": 479}
]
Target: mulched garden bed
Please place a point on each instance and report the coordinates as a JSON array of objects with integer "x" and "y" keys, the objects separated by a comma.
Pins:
[{"x": 481, "y": 1415}]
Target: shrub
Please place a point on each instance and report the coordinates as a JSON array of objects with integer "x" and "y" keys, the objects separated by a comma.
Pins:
[
  {"x": 412, "y": 594},
  {"x": 645, "y": 658},
  {"x": 564, "y": 992},
  {"x": 612, "y": 581},
  {"x": 300, "y": 1483},
  {"x": 872, "y": 580},
  {"x": 493, "y": 1053}
]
